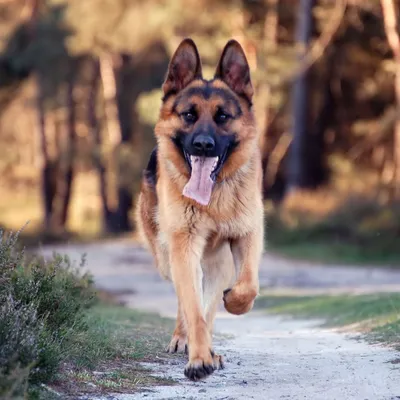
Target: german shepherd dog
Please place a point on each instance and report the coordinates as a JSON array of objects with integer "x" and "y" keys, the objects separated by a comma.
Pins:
[{"x": 200, "y": 209}]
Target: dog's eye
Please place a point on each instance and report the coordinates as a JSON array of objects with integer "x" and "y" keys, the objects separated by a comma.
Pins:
[
  {"x": 189, "y": 117},
  {"x": 221, "y": 117}
]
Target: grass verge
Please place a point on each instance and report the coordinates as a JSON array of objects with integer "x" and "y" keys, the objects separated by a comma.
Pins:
[
  {"x": 57, "y": 336},
  {"x": 376, "y": 315},
  {"x": 117, "y": 340},
  {"x": 331, "y": 251},
  {"x": 355, "y": 232}
]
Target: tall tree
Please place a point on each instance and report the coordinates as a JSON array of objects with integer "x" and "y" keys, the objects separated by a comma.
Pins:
[
  {"x": 300, "y": 105},
  {"x": 96, "y": 135},
  {"x": 391, "y": 28},
  {"x": 107, "y": 71},
  {"x": 49, "y": 166},
  {"x": 68, "y": 175},
  {"x": 125, "y": 195},
  {"x": 271, "y": 44},
  {"x": 119, "y": 132},
  {"x": 49, "y": 180}
]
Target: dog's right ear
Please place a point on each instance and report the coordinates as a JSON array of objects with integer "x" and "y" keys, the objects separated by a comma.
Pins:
[{"x": 185, "y": 66}]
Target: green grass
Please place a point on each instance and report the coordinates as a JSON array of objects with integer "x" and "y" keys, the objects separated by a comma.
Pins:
[
  {"x": 378, "y": 315},
  {"x": 117, "y": 339},
  {"x": 106, "y": 357},
  {"x": 328, "y": 251},
  {"x": 356, "y": 233},
  {"x": 119, "y": 332}
]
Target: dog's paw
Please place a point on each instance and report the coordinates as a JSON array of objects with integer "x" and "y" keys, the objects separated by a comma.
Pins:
[
  {"x": 240, "y": 299},
  {"x": 199, "y": 368},
  {"x": 218, "y": 361},
  {"x": 178, "y": 344}
]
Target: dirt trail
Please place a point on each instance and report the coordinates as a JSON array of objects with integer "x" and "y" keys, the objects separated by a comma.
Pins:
[{"x": 266, "y": 357}]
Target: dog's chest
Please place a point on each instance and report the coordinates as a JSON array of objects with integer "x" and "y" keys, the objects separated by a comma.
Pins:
[
  {"x": 233, "y": 223},
  {"x": 235, "y": 227},
  {"x": 221, "y": 231}
]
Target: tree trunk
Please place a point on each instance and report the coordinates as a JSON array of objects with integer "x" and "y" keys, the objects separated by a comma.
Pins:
[
  {"x": 48, "y": 167},
  {"x": 119, "y": 219},
  {"x": 123, "y": 80},
  {"x": 300, "y": 110},
  {"x": 110, "y": 98},
  {"x": 125, "y": 202},
  {"x": 70, "y": 147},
  {"x": 95, "y": 130},
  {"x": 125, "y": 195},
  {"x": 270, "y": 38},
  {"x": 317, "y": 171},
  {"x": 391, "y": 24}
]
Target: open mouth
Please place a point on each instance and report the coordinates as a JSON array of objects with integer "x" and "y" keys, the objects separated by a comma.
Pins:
[
  {"x": 203, "y": 174},
  {"x": 216, "y": 163},
  {"x": 203, "y": 170}
]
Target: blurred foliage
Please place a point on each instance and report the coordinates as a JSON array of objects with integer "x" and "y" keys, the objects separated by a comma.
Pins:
[
  {"x": 351, "y": 88},
  {"x": 340, "y": 229}
]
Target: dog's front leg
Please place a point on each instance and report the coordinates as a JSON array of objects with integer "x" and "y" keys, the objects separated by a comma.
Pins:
[
  {"x": 185, "y": 255},
  {"x": 247, "y": 252}
]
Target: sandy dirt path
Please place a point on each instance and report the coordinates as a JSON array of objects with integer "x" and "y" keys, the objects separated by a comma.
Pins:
[{"x": 267, "y": 357}]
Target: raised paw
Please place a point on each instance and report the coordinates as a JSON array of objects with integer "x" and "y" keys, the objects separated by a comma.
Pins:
[
  {"x": 178, "y": 344},
  {"x": 239, "y": 299}
]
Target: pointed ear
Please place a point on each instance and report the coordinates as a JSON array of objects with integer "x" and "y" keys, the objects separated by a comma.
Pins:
[
  {"x": 234, "y": 70},
  {"x": 185, "y": 66}
]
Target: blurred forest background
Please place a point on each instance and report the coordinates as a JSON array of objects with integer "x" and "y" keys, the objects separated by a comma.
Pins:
[{"x": 80, "y": 93}]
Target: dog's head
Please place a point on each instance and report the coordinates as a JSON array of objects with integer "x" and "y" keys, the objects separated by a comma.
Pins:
[{"x": 206, "y": 129}]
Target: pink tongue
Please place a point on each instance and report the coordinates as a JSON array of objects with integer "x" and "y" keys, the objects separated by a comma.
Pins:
[{"x": 200, "y": 184}]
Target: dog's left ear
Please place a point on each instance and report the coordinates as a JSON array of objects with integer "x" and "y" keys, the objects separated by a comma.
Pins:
[
  {"x": 234, "y": 70},
  {"x": 185, "y": 66}
]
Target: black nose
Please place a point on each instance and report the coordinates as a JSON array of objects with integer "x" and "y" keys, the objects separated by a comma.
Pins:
[{"x": 203, "y": 143}]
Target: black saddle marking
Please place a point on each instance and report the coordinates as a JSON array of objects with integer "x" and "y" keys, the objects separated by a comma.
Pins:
[{"x": 150, "y": 173}]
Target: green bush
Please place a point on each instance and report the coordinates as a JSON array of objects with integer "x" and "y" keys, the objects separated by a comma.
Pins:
[{"x": 42, "y": 310}]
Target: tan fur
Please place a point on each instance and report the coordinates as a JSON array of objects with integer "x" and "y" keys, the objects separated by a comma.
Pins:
[{"x": 205, "y": 249}]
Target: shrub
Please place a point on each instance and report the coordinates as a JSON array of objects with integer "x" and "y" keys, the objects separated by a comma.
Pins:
[{"x": 43, "y": 306}]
